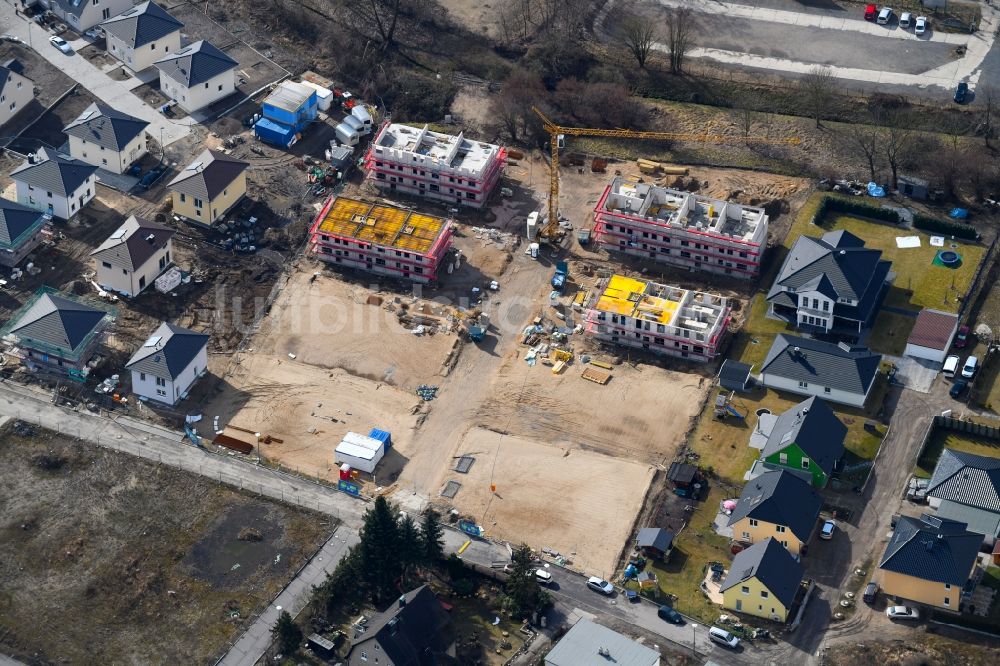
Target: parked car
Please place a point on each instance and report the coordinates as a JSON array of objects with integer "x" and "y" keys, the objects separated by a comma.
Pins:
[
  {"x": 95, "y": 33},
  {"x": 600, "y": 585},
  {"x": 60, "y": 44},
  {"x": 920, "y": 27},
  {"x": 543, "y": 577},
  {"x": 951, "y": 366},
  {"x": 871, "y": 593},
  {"x": 870, "y": 12},
  {"x": 905, "y": 19},
  {"x": 884, "y": 16},
  {"x": 958, "y": 388},
  {"x": 670, "y": 615},
  {"x": 962, "y": 338},
  {"x": 961, "y": 93},
  {"x": 969, "y": 369},
  {"x": 723, "y": 637},
  {"x": 902, "y": 613},
  {"x": 826, "y": 532}
]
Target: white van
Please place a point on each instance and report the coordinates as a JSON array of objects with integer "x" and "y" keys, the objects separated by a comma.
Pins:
[
  {"x": 950, "y": 366},
  {"x": 723, "y": 637},
  {"x": 543, "y": 577}
]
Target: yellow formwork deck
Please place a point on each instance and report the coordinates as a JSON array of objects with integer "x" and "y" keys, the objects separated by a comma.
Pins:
[
  {"x": 624, "y": 296},
  {"x": 382, "y": 225}
]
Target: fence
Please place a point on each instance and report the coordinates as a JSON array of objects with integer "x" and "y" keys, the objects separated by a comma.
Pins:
[{"x": 967, "y": 427}]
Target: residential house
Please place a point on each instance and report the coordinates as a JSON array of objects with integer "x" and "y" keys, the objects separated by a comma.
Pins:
[
  {"x": 57, "y": 185},
  {"x": 106, "y": 138},
  {"x": 590, "y": 644},
  {"x": 209, "y": 187},
  {"x": 16, "y": 93},
  {"x": 140, "y": 36},
  {"x": 655, "y": 542},
  {"x": 932, "y": 335},
  {"x": 965, "y": 487},
  {"x": 168, "y": 364},
  {"x": 20, "y": 231},
  {"x": 835, "y": 372},
  {"x": 55, "y": 332},
  {"x": 415, "y": 630},
  {"x": 763, "y": 581},
  {"x": 133, "y": 256},
  {"x": 807, "y": 439},
  {"x": 776, "y": 505},
  {"x": 197, "y": 75},
  {"x": 830, "y": 285},
  {"x": 82, "y": 15},
  {"x": 931, "y": 561}
]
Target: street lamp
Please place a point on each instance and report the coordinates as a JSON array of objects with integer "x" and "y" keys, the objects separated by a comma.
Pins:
[{"x": 694, "y": 639}]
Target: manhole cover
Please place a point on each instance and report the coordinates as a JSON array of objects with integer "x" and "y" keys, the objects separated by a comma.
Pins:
[
  {"x": 463, "y": 464},
  {"x": 451, "y": 489}
]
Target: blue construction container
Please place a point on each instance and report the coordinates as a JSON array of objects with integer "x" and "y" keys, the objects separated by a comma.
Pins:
[
  {"x": 291, "y": 104},
  {"x": 274, "y": 133},
  {"x": 382, "y": 436}
]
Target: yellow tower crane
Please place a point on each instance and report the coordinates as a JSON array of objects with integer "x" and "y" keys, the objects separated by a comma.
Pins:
[{"x": 557, "y": 132}]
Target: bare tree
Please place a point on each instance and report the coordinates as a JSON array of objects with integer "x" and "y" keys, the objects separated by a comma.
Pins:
[
  {"x": 639, "y": 37},
  {"x": 818, "y": 87},
  {"x": 746, "y": 105},
  {"x": 897, "y": 140},
  {"x": 680, "y": 25},
  {"x": 990, "y": 100},
  {"x": 866, "y": 138},
  {"x": 382, "y": 15}
]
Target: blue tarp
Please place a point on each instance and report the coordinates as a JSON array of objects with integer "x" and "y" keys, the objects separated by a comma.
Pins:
[
  {"x": 958, "y": 213},
  {"x": 875, "y": 191},
  {"x": 382, "y": 436}
]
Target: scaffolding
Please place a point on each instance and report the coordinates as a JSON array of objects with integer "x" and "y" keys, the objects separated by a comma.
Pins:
[{"x": 20, "y": 341}]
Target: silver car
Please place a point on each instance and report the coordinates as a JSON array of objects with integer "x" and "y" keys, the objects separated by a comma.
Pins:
[{"x": 600, "y": 585}]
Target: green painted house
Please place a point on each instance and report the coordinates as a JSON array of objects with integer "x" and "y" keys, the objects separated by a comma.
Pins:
[{"x": 808, "y": 439}]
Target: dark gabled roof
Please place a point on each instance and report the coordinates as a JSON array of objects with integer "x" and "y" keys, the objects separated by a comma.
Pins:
[
  {"x": 682, "y": 472},
  {"x": 168, "y": 351},
  {"x": 404, "y": 631},
  {"x": 771, "y": 564},
  {"x": 846, "y": 369},
  {"x": 16, "y": 221},
  {"x": 816, "y": 430},
  {"x": 932, "y": 549},
  {"x": 135, "y": 242},
  {"x": 779, "y": 498},
  {"x": 655, "y": 537},
  {"x": 968, "y": 479},
  {"x": 208, "y": 175},
  {"x": 142, "y": 24},
  {"x": 9, "y": 70},
  {"x": 106, "y": 127},
  {"x": 839, "y": 256},
  {"x": 933, "y": 329},
  {"x": 59, "y": 174},
  {"x": 195, "y": 63},
  {"x": 58, "y": 322},
  {"x": 733, "y": 373}
]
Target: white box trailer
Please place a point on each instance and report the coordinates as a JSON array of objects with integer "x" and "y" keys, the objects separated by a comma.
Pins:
[
  {"x": 346, "y": 135},
  {"x": 358, "y": 457},
  {"x": 355, "y": 125},
  {"x": 364, "y": 441},
  {"x": 361, "y": 113}
]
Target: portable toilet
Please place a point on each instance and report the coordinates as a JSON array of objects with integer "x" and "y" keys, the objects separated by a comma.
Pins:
[{"x": 532, "y": 225}]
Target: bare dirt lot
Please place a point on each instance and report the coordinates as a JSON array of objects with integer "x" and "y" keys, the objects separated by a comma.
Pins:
[
  {"x": 554, "y": 496},
  {"x": 128, "y": 562}
]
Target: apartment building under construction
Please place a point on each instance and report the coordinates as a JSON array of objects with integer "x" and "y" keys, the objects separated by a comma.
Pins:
[
  {"x": 448, "y": 168},
  {"x": 681, "y": 228},
  {"x": 660, "y": 318},
  {"x": 380, "y": 239}
]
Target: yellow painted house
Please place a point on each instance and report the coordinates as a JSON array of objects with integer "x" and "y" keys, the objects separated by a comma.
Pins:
[
  {"x": 209, "y": 187},
  {"x": 779, "y": 505},
  {"x": 930, "y": 560},
  {"x": 763, "y": 581}
]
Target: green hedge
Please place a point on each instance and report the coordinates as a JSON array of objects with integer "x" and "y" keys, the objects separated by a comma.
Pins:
[
  {"x": 945, "y": 227},
  {"x": 831, "y": 204}
]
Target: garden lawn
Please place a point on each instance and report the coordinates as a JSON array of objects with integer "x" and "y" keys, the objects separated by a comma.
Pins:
[
  {"x": 890, "y": 332},
  {"x": 946, "y": 439}
]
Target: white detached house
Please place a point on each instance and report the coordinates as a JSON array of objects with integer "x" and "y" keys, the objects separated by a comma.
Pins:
[
  {"x": 106, "y": 138},
  {"x": 133, "y": 256},
  {"x": 83, "y": 15},
  {"x": 197, "y": 76},
  {"x": 57, "y": 185},
  {"x": 142, "y": 35},
  {"x": 168, "y": 364}
]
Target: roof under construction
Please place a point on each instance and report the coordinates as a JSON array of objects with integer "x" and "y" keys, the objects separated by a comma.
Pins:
[{"x": 383, "y": 225}]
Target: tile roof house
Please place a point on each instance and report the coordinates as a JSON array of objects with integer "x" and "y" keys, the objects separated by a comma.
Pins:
[
  {"x": 140, "y": 36},
  {"x": 82, "y": 15},
  {"x": 932, "y": 335},
  {"x": 197, "y": 75},
  {"x": 414, "y": 631},
  {"x": 965, "y": 487},
  {"x": 209, "y": 187},
  {"x": 106, "y": 138},
  {"x": 763, "y": 581},
  {"x": 20, "y": 231},
  {"x": 55, "y": 332},
  {"x": 835, "y": 372},
  {"x": 931, "y": 561},
  {"x": 590, "y": 644},
  {"x": 832, "y": 285},
  {"x": 133, "y": 256},
  {"x": 55, "y": 184},
  {"x": 655, "y": 542},
  {"x": 16, "y": 93},
  {"x": 779, "y": 505},
  {"x": 808, "y": 439},
  {"x": 168, "y": 364}
]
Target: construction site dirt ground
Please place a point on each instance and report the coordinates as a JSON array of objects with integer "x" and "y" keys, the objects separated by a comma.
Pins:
[{"x": 579, "y": 503}]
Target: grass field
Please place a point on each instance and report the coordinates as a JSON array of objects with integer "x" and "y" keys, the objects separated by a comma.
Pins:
[{"x": 946, "y": 439}]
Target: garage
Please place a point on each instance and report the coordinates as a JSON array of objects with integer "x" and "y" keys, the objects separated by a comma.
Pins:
[{"x": 932, "y": 335}]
